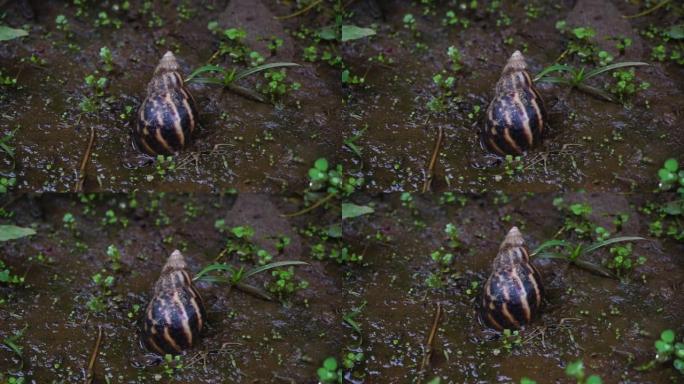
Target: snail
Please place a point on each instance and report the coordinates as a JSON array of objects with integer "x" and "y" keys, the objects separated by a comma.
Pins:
[
  {"x": 516, "y": 118},
  {"x": 167, "y": 116},
  {"x": 513, "y": 294},
  {"x": 175, "y": 316}
]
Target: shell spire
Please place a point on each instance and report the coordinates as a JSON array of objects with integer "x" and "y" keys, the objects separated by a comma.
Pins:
[
  {"x": 174, "y": 262},
  {"x": 168, "y": 62},
  {"x": 512, "y": 295},
  {"x": 515, "y": 63}
]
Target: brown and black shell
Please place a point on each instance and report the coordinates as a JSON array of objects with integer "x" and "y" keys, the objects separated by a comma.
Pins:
[
  {"x": 168, "y": 116},
  {"x": 512, "y": 296},
  {"x": 516, "y": 118},
  {"x": 175, "y": 316}
]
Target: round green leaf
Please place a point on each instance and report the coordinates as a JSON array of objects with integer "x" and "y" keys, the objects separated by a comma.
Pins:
[
  {"x": 321, "y": 164},
  {"x": 330, "y": 364},
  {"x": 666, "y": 176},
  {"x": 671, "y": 165},
  {"x": 663, "y": 347},
  {"x": 593, "y": 379},
  {"x": 575, "y": 369},
  {"x": 667, "y": 336}
]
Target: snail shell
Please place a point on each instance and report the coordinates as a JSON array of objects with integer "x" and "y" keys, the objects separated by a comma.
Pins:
[
  {"x": 167, "y": 116},
  {"x": 516, "y": 117},
  {"x": 175, "y": 316},
  {"x": 512, "y": 296}
]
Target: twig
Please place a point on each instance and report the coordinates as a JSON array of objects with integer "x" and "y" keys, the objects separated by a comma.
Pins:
[
  {"x": 84, "y": 162},
  {"x": 312, "y": 207},
  {"x": 433, "y": 160},
  {"x": 430, "y": 340},
  {"x": 90, "y": 374},
  {"x": 650, "y": 10},
  {"x": 300, "y": 12}
]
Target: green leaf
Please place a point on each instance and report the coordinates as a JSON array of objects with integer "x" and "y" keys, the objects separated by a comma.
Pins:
[
  {"x": 330, "y": 364},
  {"x": 667, "y": 336},
  {"x": 593, "y": 379},
  {"x": 550, "y": 244},
  {"x": 663, "y": 347},
  {"x": 598, "y": 71},
  {"x": 211, "y": 268},
  {"x": 600, "y": 244},
  {"x": 7, "y": 33},
  {"x": 277, "y": 264},
  {"x": 321, "y": 164},
  {"x": 671, "y": 165},
  {"x": 263, "y": 67},
  {"x": 526, "y": 380},
  {"x": 676, "y": 32},
  {"x": 352, "y": 32},
  {"x": 204, "y": 69},
  {"x": 553, "y": 68},
  {"x": 350, "y": 210},
  {"x": 11, "y": 232},
  {"x": 575, "y": 369},
  {"x": 673, "y": 208},
  {"x": 327, "y": 33}
]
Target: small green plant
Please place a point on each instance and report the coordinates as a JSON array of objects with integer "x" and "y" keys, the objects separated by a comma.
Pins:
[
  {"x": 576, "y": 371},
  {"x": 510, "y": 339},
  {"x": 667, "y": 350},
  {"x": 165, "y": 165},
  {"x": 107, "y": 60},
  {"x": 626, "y": 84},
  {"x": 114, "y": 257},
  {"x": 284, "y": 283},
  {"x": 172, "y": 364},
  {"x": 329, "y": 372},
  {"x": 276, "y": 85},
  {"x": 671, "y": 176},
  {"x": 323, "y": 177}
]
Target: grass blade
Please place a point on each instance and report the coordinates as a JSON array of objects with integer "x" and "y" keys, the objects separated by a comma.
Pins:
[
  {"x": 211, "y": 268},
  {"x": 277, "y": 264},
  {"x": 614, "y": 240},
  {"x": 203, "y": 69},
  {"x": 600, "y": 93},
  {"x": 554, "y": 80},
  {"x": 254, "y": 291},
  {"x": 262, "y": 67},
  {"x": 550, "y": 255},
  {"x": 549, "y": 244},
  {"x": 598, "y": 71},
  {"x": 553, "y": 68},
  {"x": 207, "y": 80}
]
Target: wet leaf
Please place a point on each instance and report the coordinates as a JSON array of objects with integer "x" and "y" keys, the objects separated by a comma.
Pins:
[
  {"x": 667, "y": 336},
  {"x": 7, "y": 33},
  {"x": 350, "y": 210},
  {"x": 352, "y": 32},
  {"x": 671, "y": 165},
  {"x": 11, "y": 232}
]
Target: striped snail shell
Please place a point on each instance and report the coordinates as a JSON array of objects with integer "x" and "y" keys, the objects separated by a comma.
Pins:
[
  {"x": 175, "y": 316},
  {"x": 516, "y": 117},
  {"x": 167, "y": 116},
  {"x": 512, "y": 296}
]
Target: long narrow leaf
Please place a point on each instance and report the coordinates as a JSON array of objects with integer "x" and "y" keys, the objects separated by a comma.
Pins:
[
  {"x": 550, "y": 255},
  {"x": 595, "y": 92},
  {"x": 213, "y": 279},
  {"x": 206, "y": 68},
  {"x": 252, "y": 290},
  {"x": 614, "y": 240},
  {"x": 554, "y": 80},
  {"x": 207, "y": 80},
  {"x": 213, "y": 267},
  {"x": 553, "y": 68},
  {"x": 262, "y": 67},
  {"x": 598, "y": 71},
  {"x": 549, "y": 244},
  {"x": 277, "y": 264}
]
